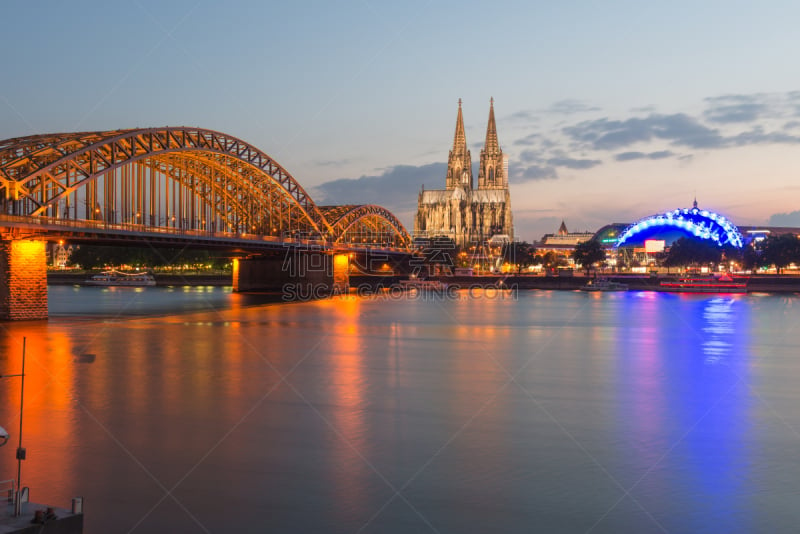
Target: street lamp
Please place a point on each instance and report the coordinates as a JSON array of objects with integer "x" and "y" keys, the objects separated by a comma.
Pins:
[{"x": 20, "y": 450}]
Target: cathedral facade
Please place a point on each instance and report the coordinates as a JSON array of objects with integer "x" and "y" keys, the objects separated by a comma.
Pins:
[{"x": 467, "y": 215}]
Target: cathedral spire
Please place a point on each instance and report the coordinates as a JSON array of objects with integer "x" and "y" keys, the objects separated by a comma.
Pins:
[
  {"x": 460, "y": 141},
  {"x": 492, "y": 146},
  {"x": 492, "y": 171},
  {"x": 459, "y": 164}
]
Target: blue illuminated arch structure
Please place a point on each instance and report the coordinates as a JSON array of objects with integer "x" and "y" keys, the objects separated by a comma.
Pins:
[{"x": 701, "y": 224}]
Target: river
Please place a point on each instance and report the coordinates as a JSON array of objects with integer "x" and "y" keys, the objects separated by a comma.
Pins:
[{"x": 202, "y": 410}]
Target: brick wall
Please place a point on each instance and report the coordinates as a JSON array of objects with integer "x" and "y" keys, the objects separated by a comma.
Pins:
[{"x": 23, "y": 280}]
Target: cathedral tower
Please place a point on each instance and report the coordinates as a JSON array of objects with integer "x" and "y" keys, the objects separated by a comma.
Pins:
[
  {"x": 470, "y": 217},
  {"x": 492, "y": 172},
  {"x": 459, "y": 164}
]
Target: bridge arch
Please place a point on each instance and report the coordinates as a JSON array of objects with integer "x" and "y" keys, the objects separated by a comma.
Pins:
[
  {"x": 694, "y": 222},
  {"x": 366, "y": 222},
  {"x": 182, "y": 177}
]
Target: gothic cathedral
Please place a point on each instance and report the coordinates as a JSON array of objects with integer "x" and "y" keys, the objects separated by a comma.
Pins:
[{"x": 469, "y": 216}]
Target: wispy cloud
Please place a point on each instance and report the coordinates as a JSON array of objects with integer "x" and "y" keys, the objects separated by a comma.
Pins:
[
  {"x": 678, "y": 129},
  {"x": 735, "y": 108},
  {"x": 571, "y": 106},
  {"x": 333, "y": 162},
  {"x": 532, "y": 173},
  {"x": 572, "y": 163},
  {"x": 630, "y": 156},
  {"x": 395, "y": 189}
]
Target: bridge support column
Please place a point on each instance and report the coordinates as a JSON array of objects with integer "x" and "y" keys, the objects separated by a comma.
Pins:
[
  {"x": 298, "y": 275},
  {"x": 23, "y": 280}
]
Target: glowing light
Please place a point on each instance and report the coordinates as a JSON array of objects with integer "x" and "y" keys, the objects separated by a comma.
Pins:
[
  {"x": 654, "y": 245},
  {"x": 702, "y": 224}
]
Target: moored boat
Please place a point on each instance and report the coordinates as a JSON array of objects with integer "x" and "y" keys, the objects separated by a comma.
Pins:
[
  {"x": 721, "y": 284},
  {"x": 603, "y": 284},
  {"x": 118, "y": 278},
  {"x": 423, "y": 284}
]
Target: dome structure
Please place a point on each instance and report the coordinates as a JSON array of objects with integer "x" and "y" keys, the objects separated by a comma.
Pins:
[{"x": 687, "y": 222}]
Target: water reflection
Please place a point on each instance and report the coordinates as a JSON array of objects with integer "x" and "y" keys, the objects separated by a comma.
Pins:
[
  {"x": 688, "y": 411},
  {"x": 718, "y": 325},
  {"x": 50, "y": 385},
  {"x": 245, "y": 416}
]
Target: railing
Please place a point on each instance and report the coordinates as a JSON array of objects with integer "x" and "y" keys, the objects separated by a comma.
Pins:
[
  {"x": 85, "y": 224},
  {"x": 11, "y": 484}
]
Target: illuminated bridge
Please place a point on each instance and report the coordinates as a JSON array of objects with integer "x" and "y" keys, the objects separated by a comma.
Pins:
[{"x": 166, "y": 187}]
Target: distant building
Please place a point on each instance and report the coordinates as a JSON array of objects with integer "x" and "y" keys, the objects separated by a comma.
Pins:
[
  {"x": 467, "y": 215},
  {"x": 58, "y": 254},
  {"x": 563, "y": 239}
]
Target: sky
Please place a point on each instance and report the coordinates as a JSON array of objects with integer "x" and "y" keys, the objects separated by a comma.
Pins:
[{"x": 609, "y": 111}]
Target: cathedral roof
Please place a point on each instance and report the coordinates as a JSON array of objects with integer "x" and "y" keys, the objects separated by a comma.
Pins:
[
  {"x": 475, "y": 196},
  {"x": 562, "y": 230},
  {"x": 489, "y": 196}
]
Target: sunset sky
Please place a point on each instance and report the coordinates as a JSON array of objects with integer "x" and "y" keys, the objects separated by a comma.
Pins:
[{"x": 609, "y": 111}]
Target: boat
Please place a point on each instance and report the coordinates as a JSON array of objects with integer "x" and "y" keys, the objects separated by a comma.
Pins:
[
  {"x": 118, "y": 278},
  {"x": 423, "y": 284},
  {"x": 720, "y": 284},
  {"x": 603, "y": 284}
]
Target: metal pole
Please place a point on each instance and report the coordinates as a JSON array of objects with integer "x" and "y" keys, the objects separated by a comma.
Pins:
[{"x": 20, "y": 450}]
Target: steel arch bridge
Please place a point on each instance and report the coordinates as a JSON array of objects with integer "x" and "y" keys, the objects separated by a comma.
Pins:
[
  {"x": 175, "y": 178},
  {"x": 701, "y": 224}
]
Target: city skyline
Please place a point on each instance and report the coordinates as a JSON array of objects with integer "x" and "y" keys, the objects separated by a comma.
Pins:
[{"x": 607, "y": 113}]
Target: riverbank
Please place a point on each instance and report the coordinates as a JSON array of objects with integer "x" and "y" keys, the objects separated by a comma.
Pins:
[
  {"x": 755, "y": 283},
  {"x": 162, "y": 279}
]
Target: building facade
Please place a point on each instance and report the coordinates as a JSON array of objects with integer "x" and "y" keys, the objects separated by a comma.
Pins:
[{"x": 467, "y": 215}]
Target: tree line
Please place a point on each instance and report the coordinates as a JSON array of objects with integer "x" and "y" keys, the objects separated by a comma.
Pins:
[{"x": 102, "y": 257}]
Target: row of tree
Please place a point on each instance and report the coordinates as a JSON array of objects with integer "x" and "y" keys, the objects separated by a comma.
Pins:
[{"x": 100, "y": 257}]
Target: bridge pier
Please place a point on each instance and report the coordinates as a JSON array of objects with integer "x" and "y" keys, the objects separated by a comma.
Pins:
[
  {"x": 297, "y": 274},
  {"x": 23, "y": 280}
]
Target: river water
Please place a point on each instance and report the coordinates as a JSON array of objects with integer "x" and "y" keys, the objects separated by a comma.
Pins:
[{"x": 201, "y": 410}]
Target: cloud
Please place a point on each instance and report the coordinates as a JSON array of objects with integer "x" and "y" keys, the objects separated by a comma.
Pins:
[
  {"x": 572, "y": 163},
  {"x": 529, "y": 140},
  {"x": 679, "y": 128},
  {"x": 530, "y": 173},
  {"x": 570, "y": 106},
  {"x": 530, "y": 156},
  {"x": 523, "y": 116},
  {"x": 332, "y": 163},
  {"x": 758, "y": 136},
  {"x": 791, "y": 219},
  {"x": 735, "y": 108},
  {"x": 396, "y": 189},
  {"x": 629, "y": 156}
]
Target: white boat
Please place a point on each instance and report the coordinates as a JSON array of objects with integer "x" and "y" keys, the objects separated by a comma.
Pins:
[
  {"x": 118, "y": 278},
  {"x": 425, "y": 285},
  {"x": 604, "y": 284}
]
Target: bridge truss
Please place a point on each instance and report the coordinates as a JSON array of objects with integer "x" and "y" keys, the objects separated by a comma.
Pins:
[{"x": 177, "y": 178}]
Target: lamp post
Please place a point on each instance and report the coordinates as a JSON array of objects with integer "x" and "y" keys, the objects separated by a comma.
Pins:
[{"x": 20, "y": 450}]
